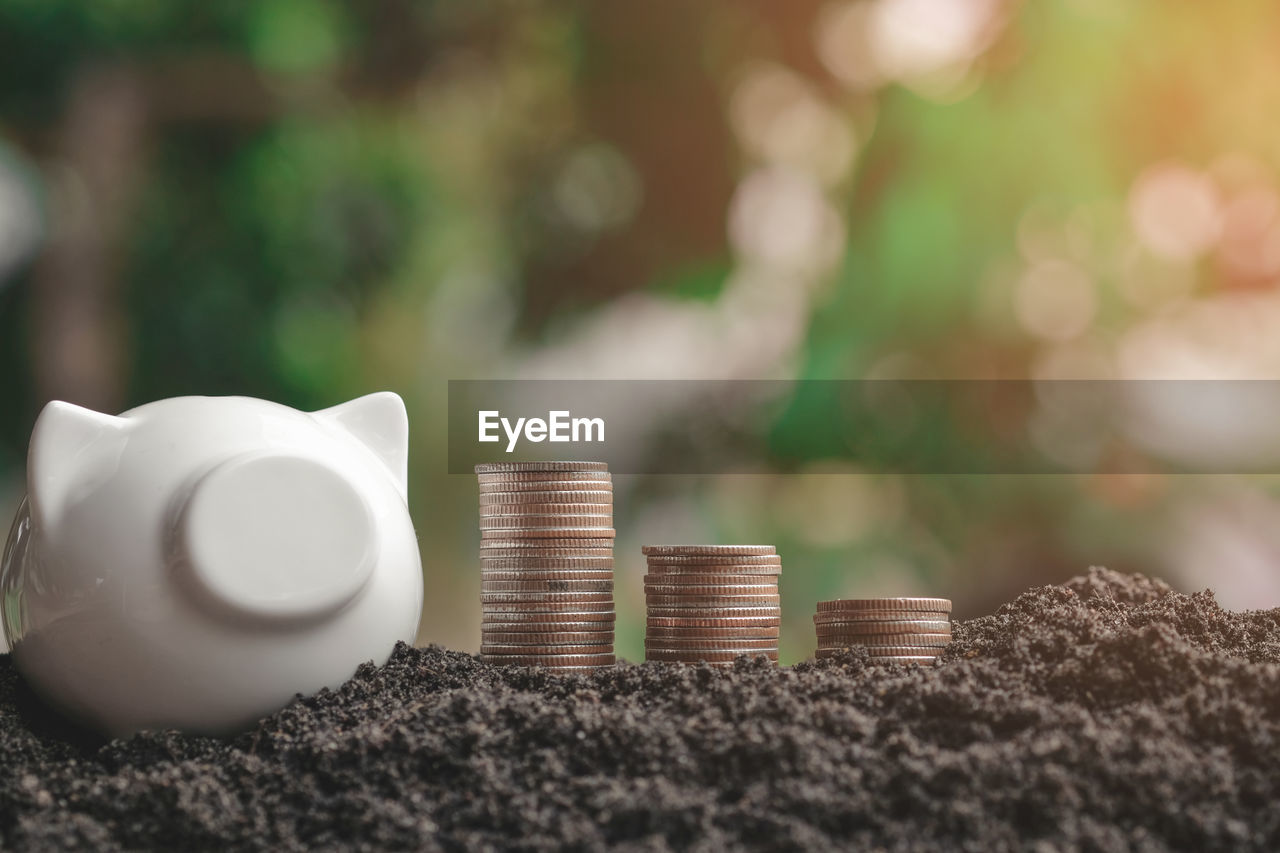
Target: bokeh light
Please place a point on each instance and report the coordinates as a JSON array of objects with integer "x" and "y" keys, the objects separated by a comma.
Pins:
[{"x": 318, "y": 198}]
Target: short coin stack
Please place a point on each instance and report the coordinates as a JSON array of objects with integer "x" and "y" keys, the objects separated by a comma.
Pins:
[
  {"x": 711, "y": 603},
  {"x": 893, "y": 630},
  {"x": 546, "y": 555}
]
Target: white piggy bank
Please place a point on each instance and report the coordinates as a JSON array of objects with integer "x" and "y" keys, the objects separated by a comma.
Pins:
[{"x": 195, "y": 562}]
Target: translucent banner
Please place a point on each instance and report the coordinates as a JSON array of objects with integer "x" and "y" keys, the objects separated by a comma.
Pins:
[{"x": 911, "y": 427}]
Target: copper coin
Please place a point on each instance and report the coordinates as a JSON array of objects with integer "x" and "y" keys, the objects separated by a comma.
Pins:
[
  {"x": 545, "y": 597},
  {"x": 519, "y": 521},
  {"x": 717, "y": 590},
  {"x": 542, "y": 543},
  {"x": 602, "y": 556},
  {"x": 708, "y": 550},
  {"x": 889, "y": 626},
  {"x": 579, "y": 670},
  {"x": 566, "y": 605},
  {"x": 711, "y": 635},
  {"x": 547, "y": 638},
  {"x": 712, "y": 580},
  {"x": 555, "y": 497},
  {"x": 551, "y": 660},
  {"x": 549, "y": 575},
  {"x": 550, "y": 620},
  {"x": 708, "y": 655},
  {"x": 487, "y": 554},
  {"x": 556, "y": 627},
  {"x": 524, "y": 585},
  {"x": 874, "y": 632},
  {"x": 933, "y": 605},
  {"x": 705, "y": 611},
  {"x": 711, "y": 577},
  {"x": 876, "y": 617},
  {"x": 539, "y": 467},
  {"x": 491, "y": 648},
  {"x": 506, "y": 533},
  {"x": 545, "y": 510},
  {"x": 689, "y": 622},
  {"x": 711, "y": 600},
  {"x": 869, "y": 640},
  {"x": 715, "y": 574},
  {"x": 546, "y": 564},
  {"x": 683, "y": 560},
  {"x": 877, "y": 651},
  {"x": 704, "y": 645},
  {"x": 936, "y": 641}
]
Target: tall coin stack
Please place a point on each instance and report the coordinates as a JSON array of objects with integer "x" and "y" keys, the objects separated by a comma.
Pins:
[
  {"x": 893, "y": 630},
  {"x": 711, "y": 602},
  {"x": 546, "y": 555}
]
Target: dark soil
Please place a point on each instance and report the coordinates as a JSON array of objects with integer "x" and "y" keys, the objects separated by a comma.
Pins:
[{"x": 1109, "y": 713}]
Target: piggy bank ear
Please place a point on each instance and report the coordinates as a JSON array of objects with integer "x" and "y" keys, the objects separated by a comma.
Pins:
[
  {"x": 380, "y": 422},
  {"x": 73, "y": 449}
]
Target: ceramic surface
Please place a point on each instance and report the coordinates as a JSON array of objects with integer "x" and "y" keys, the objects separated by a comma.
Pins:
[{"x": 195, "y": 562}]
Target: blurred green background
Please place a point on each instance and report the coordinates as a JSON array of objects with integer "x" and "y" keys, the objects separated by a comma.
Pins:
[{"x": 307, "y": 200}]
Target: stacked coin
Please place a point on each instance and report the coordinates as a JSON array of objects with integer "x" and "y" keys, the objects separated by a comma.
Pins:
[
  {"x": 711, "y": 602},
  {"x": 546, "y": 555},
  {"x": 893, "y": 630}
]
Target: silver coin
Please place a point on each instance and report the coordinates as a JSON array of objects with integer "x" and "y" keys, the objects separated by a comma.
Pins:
[
  {"x": 546, "y": 598},
  {"x": 711, "y": 636},
  {"x": 555, "y": 497},
  {"x": 720, "y": 590},
  {"x": 687, "y": 562},
  {"x": 488, "y": 468},
  {"x": 557, "y": 626},
  {"x": 933, "y": 605},
  {"x": 558, "y": 585},
  {"x": 707, "y": 550},
  {"x": 877, "y": 616},
  {"x": 551, "y": 660},
  {"x": 547, "y": 638},
  {"x": 712, "y": 611},
  {"x": 711, "y": 580},
  {"x": 887, "y": 626},
  {"x": 507, "y": 533},
  {"x": 542, "y": 510},
  {"x": 703, "y": 644},
  {"x": 489, "y": 649},
  {"x": 548, "y": 575},
  {"x": 565, "y": 605},
  {"x": 716, "y": 601}
]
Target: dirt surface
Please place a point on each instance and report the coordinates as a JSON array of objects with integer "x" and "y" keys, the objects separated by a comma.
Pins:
[{"x": 1108, "y": 713}]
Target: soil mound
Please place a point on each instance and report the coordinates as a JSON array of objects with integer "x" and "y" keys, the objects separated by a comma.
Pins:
[{"x": 1107, "y": 713}]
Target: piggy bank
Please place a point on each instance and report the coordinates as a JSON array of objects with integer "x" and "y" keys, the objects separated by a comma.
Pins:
[{"x": 195, "y": 562}]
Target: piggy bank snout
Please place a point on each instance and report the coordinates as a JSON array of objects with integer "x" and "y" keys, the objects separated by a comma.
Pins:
[{"x": 276, "y": 537}]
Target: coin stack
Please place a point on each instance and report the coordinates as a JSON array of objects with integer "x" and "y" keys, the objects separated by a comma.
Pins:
[
  {"x": 893, "y": 630},
  {"x": 546, "y": 555},
  {"x": 711, "y": 603}
]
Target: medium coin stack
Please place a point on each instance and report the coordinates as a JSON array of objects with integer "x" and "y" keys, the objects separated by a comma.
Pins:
[
  {"x": 711, "y": 603},
  {"x": 893, "y": 630},
  {"x": 546, "y": 556}
]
